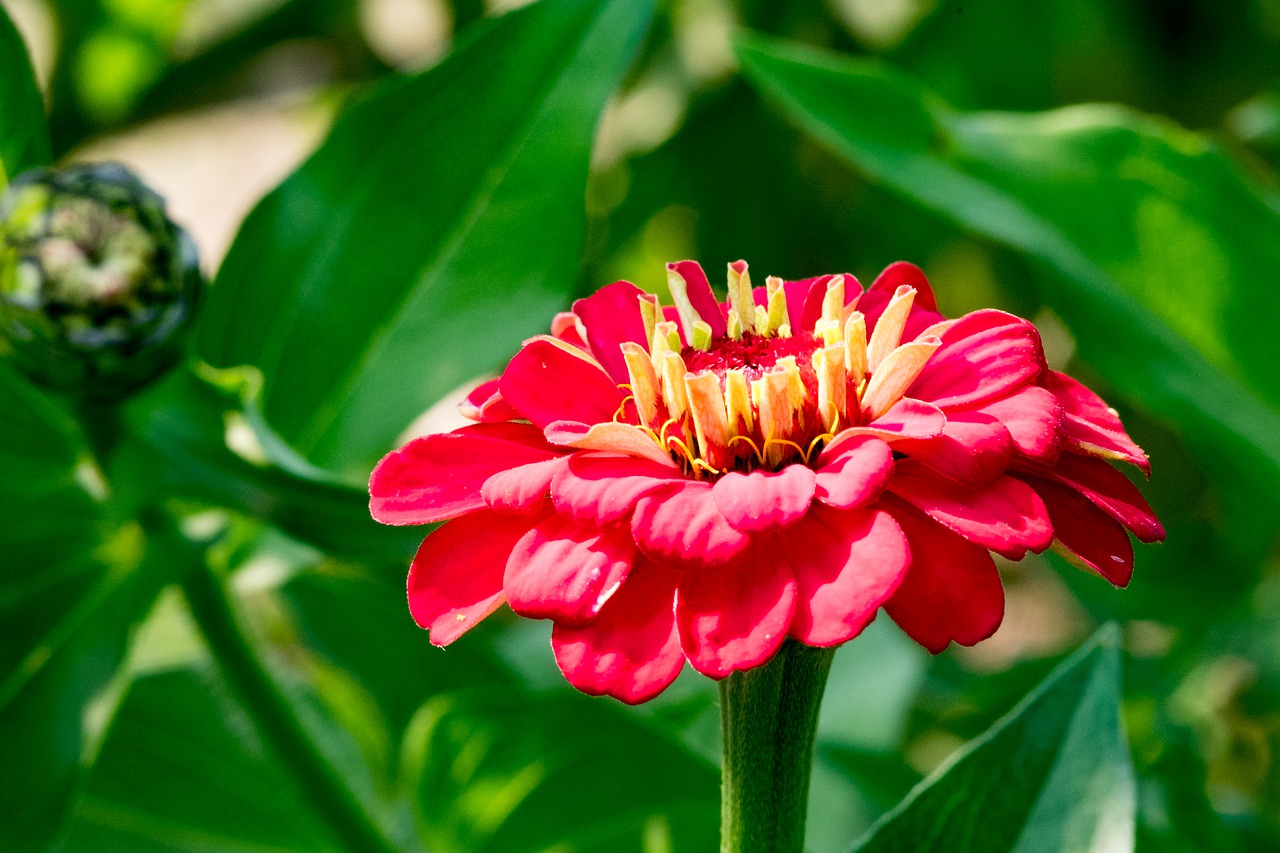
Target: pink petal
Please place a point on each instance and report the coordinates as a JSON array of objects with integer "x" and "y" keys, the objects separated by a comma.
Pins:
[
  {"x": 907, "y": 418},
  {"x": 1086, "y": 535},
  {"x": 1035, "y": 421},
  {"x": 984, "y": 355},
  {"x": 600, "y": 489},
  {"x": 854, "y": 473},
  {"x": 735, "y": 617},
  {"x": 902, "y": 272},
  {"x": 1004, "y": 515},
  {"x": 548, "y": 382},
  {"x": 566, "y": 327},
  {"x": 873, "y": 303},
  {"x": 1092, "y": 426},
  {"x": 631, "y": 650},
  {"x": 522, "y": 490},
  {"x": 815, "y": 291},
  {"x": 485, "y": 404},
  {"x": 973, "y": 449},
  {"x": 517, "y": 432},
  {"x": 566, "y": 571},
  {"x": 846, "y": 564},
  {"x": 608, "y": 437},
  {"x": 679, "y": 523},
  {"x": 1110, "y": 491},
  {"x": 764, "y": 500},
  {"x": 456, "y": 577},
  {"x": 701, "y": 296},
  {"x": 952, "y": 591},
  {"x": 440, "y": 476},
  {"x": 611, "y": 316}
]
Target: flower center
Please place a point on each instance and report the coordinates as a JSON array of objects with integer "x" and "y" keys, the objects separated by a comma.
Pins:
[{"x": 763, "y": 395}]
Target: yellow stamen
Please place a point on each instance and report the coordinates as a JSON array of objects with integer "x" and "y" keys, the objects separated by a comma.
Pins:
[
  {"x": 673, "y": 371},
  {"x": 737, "y": 400},
  {"x": 710, "y": 420},
  {"x": 740, "y": 290},
  {"x": 828, "y": 331},
  {"x": 644, "y": 381},
  {"x": 684, "y": 307},
  {"x": 759, "y": 454},
  {"x": 772, "y": 395},
  {"x": 828, "y": 363},
  {"x": 785, "y": 443},
  {"x": 888, "y": 331},
  {"x": 650, "y": 312},
  {"x": 833, "y": 301},
  {"x": 855, "y": 348},
  {"x": 777, "y": 316},
  {"x": 733, "y": 320},
  {"x": 895, "y": 375},
  {"x": 622, "y": 407},
  {"x": 701, "y": 335}
]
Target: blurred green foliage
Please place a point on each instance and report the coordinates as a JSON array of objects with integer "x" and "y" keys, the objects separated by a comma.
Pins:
[{"x": 205, "y": 642}]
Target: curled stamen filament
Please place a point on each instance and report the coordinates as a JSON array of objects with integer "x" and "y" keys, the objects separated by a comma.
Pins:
[
  {"x": 826, "y": 436},
  {"x": 787, "y": 443},
  {"x": 622, "y": 407},
  {"x": 759, "y": 453}
]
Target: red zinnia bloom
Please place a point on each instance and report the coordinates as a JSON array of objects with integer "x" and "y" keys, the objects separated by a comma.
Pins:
[{"x": 702, "y": 481}]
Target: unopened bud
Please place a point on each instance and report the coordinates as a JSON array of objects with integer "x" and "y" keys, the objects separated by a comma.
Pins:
[{"x": 97, "y": 286}]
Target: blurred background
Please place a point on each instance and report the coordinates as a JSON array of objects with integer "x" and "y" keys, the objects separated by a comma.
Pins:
[{"x": 213, "y": 102}]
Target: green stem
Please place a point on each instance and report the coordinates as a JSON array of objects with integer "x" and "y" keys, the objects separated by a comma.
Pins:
[
  {"x": 322, "y": 783},
  {"x": 103, "y": 426},
  {"x": 769, "y": 716}
]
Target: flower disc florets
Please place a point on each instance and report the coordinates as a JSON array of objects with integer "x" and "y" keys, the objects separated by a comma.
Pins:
[
  {"x": 745, "y": 395},
  {"x": 701, "y": 481}
]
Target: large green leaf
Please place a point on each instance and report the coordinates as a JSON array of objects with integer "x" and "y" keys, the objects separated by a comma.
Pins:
[
  {"x": 185, "y": 769},
  {"x": 1163, "y": 253},
  {"x": 70, "y": 593},
  {"x": 438, "y": 225},
  {"x": 24, "y": 134},
  {"x": 498, "y": 769},
  {"x": 1052, "y": 775}
]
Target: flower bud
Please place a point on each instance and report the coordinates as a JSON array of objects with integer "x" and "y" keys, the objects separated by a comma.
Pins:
[{"x": 97, "y": 286}]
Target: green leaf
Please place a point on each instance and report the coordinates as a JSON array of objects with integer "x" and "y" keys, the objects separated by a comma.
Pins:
[
  {"x": 70, "y": 593},
  {"x": 185, "y": 769},
  {"x": 182, "y": 425},
  {"x": 502, "y": 769},
  {"x": 438, "y": 226},
  {"x": 1052, "y": 775},
  {"x": 1163, "y": 253},
  {"x": 24, "y": 133}
]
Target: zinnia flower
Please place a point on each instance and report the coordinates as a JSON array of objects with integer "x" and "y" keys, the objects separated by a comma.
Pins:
[{"x": 700, "y": 482}]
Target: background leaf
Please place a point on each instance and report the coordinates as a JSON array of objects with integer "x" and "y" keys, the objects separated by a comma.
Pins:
[
  {"x": 1052, "y": 775},
  {"x": 438, "y": 226},
  {"x": 1146, "y": 226},
  {"x": 71, "y": 590},
  {"x": 182, "y": 426},
  {"x": 185, "y": 770},
  {"x": 24, "y": 133}
]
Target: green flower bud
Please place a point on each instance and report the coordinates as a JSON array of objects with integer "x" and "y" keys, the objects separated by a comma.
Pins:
[{"x": 97, "y": 286}]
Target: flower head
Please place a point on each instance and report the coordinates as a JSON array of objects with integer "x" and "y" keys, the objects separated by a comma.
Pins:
[{"x": 700, "y": 481}]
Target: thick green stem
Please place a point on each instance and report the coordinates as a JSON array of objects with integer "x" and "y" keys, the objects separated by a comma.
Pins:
[
  {"x": 769, "y": 716},
  {"x": 223, "y": 628}
]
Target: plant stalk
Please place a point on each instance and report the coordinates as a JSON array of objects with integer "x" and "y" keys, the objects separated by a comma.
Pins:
[
  {"x": 769, "y": 716},
  {"x": 226, "y": 632}
]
